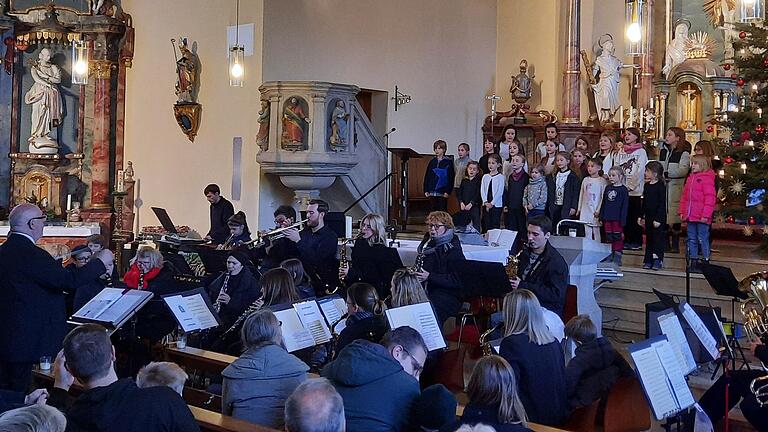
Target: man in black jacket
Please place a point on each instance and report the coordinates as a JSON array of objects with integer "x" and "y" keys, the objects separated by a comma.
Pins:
[
  {"x": 541, "y": 268},
  {"x": 32, "y": 297},
  {"x": 106, "y": 402},
  {"x": 221, "y": 211},
  {"x": 317, "y": 244}
]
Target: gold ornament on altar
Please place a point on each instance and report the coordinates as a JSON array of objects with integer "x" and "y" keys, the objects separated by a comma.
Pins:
[
  {"x": 719, "y": 219},
  {"x": 699, "y": 46},
  {"x": 715, "y": 12},
  {"x": 748, "y": 231},
  {"x": 737, "y": 187},
  {"x": 764, "y": 147}
]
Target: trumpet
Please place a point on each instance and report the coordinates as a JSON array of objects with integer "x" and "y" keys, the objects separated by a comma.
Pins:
[{"x": 261, "y": 239}]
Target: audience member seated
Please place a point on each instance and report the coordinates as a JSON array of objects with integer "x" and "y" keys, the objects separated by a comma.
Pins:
[
  {"x": 536, "y": 357},
  {"x": 373, "y": 261},
  {"x": 595, "y": 367},
  {"x": 462, "y": 222},
  {"x": 87, "y": 291},
  {"x": 315, "y": 406},
  {"x": 542, "y": 269},
  {"x": 406, "y": 289},
  {"x": 10, "y": 399},
  {"x": 365, "y": 316},
  {"x": 33, "y": 418},
  {"x": 434, "y": 409},
  {"x": 238, "y": 232},
  {"x": 300, "y": 278},
  {"x": 165, "y": 374},
  {"x": 278, "y": 288},
  {"x": 379, "y": 383},
  {"x": 442, "y": 257},
  {"x": 80, "y": 256},
  {"x": 107, "y": 403},
  {"x": 493, "y": 398},
  {"x": 149, "y": 272},
  {"x": 476, "y": 428},
  {"x": 242, "y": 289},
  {"x": 257, "y": 384}
]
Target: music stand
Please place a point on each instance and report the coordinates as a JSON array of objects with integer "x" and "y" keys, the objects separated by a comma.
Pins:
[
  {"x": 165, "y": 220},
  {"x": 724, "y": 283},
  {"x": 214, "y": 261},
  {"x": 484, "y": 279}
]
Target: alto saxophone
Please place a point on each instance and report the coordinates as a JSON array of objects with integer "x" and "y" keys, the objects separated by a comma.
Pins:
[
  {"x": 335, "y": 336},
  {"x": 418, "y": 265},
  {"x": 217, "y": 303},
  {"x": 486, "y": 344},
  {"x": 512, "y": 268}
]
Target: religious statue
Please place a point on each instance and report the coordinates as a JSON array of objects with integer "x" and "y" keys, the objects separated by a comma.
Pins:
[
  {"x": 294, "y": 122},
  {"x": 129, "y": 172},
  {"x": 521, "y": 84},
  {"x": 262, "y": 136},
  {"x": 74, "y": 214},
  {"x": 676, "y": 48},
  {"x": 339, "y": 119},
  {"x": 47, "y": 110},
  {"x": 186, "y": 73},
  {"x": 607, "y": 68}
]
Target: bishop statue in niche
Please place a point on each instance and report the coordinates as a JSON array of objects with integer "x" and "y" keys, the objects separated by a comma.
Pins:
[
  {"x": 339, "y": 118},
  {"x": 47, "y": 109},
  {"x": 295, "y": 122}
]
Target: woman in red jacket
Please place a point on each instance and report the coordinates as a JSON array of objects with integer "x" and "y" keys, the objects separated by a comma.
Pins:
[{"x": 697, "y": 203}]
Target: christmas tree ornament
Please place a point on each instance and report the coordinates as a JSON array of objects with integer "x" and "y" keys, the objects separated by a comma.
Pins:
[
  {"x": 734, "y": 76},
  {"x": 765, "y": 229},
  {"x": 728, "y": 160},
  {"x": 748, "y": 231},
  {"x": 727, "y": 66},
  {"x": 719, "y": 219},
  {"x": 752, "y": 220},
  {"x": 765, "y": 62},
  {"x": 764, "y": 147},
  {"x": 740, "y": 82},
  {"x": 729, "y": 219},
  {"x": 742, "y": 35},
  {"x": 745, "y": 136},
  {"x": 710, "y": 129},
  {"x": 760, "y": 129},
  {"x": 738, "y": 186}
]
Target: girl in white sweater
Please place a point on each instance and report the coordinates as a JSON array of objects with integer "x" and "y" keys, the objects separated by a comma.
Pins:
[{"x": 492, "y": 193}]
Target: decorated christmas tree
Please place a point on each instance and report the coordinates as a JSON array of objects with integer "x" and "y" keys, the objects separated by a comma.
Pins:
[{"x": 744, "y": 153}]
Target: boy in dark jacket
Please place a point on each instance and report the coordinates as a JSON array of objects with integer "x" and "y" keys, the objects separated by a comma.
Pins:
[
  {"x": 513, "y": 196},
  {"x": 595, "y": 367},
  {"x": 439, "y": 177}
]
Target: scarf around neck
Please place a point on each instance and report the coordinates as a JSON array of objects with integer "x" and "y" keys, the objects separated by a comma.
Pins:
[
  {"x": 517, "y": 176},
  {"x": 443, "y": 240},
  {"x": 631, "y": 148}
]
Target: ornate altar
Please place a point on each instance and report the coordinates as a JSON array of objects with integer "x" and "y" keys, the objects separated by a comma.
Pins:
[{"x": 63, "y": 139}]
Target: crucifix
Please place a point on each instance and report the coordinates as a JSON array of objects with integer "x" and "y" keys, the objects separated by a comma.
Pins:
[{"x": 493, "y": 98}]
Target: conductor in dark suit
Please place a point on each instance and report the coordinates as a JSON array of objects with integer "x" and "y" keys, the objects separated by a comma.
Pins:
[{"x": 32, "y": 292}]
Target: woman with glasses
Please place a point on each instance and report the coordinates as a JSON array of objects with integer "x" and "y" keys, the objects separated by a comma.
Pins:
[
  {"x": 536, "y": 357},
  {"x": 442, "y": 256},
  {"x": 148, "y": 271},
  {"x": 365, "y": 316},
  {"x": 372, "y": 261}
]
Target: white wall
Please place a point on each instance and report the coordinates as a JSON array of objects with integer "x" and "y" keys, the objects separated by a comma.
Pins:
[
  {"x": 441, "y": 52},
  {"x": 172, "y": 170}
]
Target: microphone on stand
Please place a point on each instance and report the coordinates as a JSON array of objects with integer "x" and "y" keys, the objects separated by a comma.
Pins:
[{"x": 390, "y": 131}]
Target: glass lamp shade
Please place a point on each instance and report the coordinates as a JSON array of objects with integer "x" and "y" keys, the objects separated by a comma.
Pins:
[
  {"x": 635, "y": 27},
  {"x": 236, "y": 66},
  {"x": 751, "y": 11},
  {"x": 80, "y": 66}
]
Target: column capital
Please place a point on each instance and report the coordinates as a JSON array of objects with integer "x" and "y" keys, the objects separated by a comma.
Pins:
[{"x": 102, "y": 69}]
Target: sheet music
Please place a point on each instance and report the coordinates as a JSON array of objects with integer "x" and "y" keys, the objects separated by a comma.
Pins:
[
  {"x": 100, "y": 303},
  {"x": 124, "y": 305},
  {"x": 681, "y": 392},
  {"x": 496, "y": 345},
  {"x": 722, "y": 333},
  {"x": 701, "y": 331},
  {"x": 655, "y": 382},
  {"x": 295, "y": 335},
  {"x": 191, "y": 312},
  {"x": 312, "y": 319},
  {"x": 334, "y": 308},
  {"x": 670, "y": 326},
  {"x": 501, "y": 237},
  {"x": 421, "y": 318}
]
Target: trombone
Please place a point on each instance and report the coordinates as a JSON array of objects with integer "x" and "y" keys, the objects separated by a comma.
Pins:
[{"x": 273, "y": 235}]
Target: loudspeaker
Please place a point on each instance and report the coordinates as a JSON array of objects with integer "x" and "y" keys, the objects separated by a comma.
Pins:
[{"x": 657, "y": 309}]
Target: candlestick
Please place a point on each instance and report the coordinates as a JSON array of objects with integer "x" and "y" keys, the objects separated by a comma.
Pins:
[
  {"x": 69, "y": 202},
  {"x": 721, "y": 173}
]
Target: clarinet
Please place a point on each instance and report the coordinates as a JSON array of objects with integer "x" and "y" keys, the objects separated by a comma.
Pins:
[
  {"x": 217, "y": 304},
  {"x": 249, "y": 310},
  {"x": 141, "y": 280}
]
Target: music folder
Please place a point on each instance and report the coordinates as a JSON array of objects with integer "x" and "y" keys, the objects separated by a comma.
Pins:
[
  {"x": 421, "y": 318},
  {"x": 111, "y": 308},
  {"x": 192, "y": 309},
  {"x": 661, "y": 377},
  {"x": 295, "y": 336},
  {"x": 334, "y": 308}
]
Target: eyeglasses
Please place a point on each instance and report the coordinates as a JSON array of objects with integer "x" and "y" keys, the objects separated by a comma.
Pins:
[
  {"x": 417, "y": 367},
  {"x": 435, "y": 226},
  {"x": 29, "y": 222}
]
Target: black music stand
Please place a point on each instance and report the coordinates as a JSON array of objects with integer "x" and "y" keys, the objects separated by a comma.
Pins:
[
  {"x": 404, "y": 154},
  {"x": 724, "y": 283}
]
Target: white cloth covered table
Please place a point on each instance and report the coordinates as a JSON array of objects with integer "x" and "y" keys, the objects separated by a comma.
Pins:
[{"x": 407, "y": 251}]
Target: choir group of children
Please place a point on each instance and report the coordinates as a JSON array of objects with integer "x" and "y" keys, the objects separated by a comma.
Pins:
[{"x": 616, "y": 191}]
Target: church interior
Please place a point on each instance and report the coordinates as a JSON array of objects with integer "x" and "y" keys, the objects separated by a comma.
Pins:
[{"x": 194, "y": 133}]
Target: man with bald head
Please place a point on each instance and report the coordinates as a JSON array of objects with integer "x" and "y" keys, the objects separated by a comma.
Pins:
[
  {"x": 32, "y": 290},
  {"x": 315, "y": 406}
]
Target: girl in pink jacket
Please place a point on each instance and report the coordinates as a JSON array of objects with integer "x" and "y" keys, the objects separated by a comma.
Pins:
[{"x": 697, "y": 203}]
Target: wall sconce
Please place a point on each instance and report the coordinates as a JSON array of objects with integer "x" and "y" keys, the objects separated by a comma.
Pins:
[
  {"x": 236, "y": 56},
  {"x": 751, "y": 11},
  {"x": 80, "y": 66},
  {"x": 635, "y": 27},
  {"x": 400, "y": 98}
]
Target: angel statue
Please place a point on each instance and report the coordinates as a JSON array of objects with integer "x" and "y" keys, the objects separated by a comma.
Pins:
[
  {"x": 186, "y": 73},
  {"x": 607, "y": 68},
  {"x": 47, "y": 109},
  {"x": 676, "y": 48}
]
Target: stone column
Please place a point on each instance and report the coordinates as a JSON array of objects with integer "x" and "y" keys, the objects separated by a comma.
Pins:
[
  {"x": 571, "y": 94},
  {"x": 100, "y": 194},
  {"x": 645, "y": 92}
]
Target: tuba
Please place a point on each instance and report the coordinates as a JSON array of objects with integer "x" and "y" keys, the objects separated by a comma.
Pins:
[{"x": 755, "y": 312}]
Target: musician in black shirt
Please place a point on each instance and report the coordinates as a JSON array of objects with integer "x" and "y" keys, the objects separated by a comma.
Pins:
[
  {"x": 221, "y": 211},
  {"x": 372, "y": 261},
  {"x": 317, "y": 245}
]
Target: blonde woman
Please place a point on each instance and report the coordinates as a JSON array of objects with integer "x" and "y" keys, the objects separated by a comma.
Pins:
[
  {"x": 406, "y": 289},
  {"x": 493, "y": 397},
  {"x": 536, "y": 357},
  {"x": 372, "y": 261}
]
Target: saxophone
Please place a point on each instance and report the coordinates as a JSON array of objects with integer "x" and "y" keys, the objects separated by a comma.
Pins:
[
  {"x": 217, "y": 303},
  {"x": 418, "y": 265},
  {"x": 512, "y": 268},
  {"x": 253, "y": 307},
  {"x": 485, "y": 343},
  {"x": 335, "y": 336}
]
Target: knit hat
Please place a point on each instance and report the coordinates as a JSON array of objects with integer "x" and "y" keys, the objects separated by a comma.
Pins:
[
  {"x": 80, "y": 249},
  {"x": 237, "y": 219},
  {"x": 240, "y": 256},
  {"x": 435, "y": 408}
]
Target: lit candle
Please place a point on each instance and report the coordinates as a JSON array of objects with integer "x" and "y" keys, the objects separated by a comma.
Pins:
[
  {"x": 621, "y": 117},
  {"x": 652, "y": 101},
  {"x": 347, "y": 227},
  {"x": 642, "y": 115},
  {"x": 760, "y": 112},
  {"x": 69, "y": 202},
  {"x": 744, "y": 167},
  {"x": 721, "y": 173},
  {"x": 120, "y": 181},
  {"x": 751, "y": 143},
  {"x": 717, "y": 100}
]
